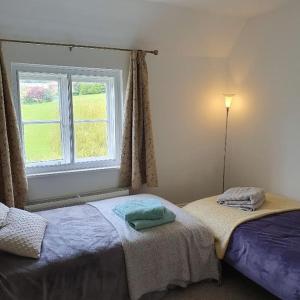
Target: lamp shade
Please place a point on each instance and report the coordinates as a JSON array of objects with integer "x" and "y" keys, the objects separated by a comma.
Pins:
[{"x": 228, "y": 98}]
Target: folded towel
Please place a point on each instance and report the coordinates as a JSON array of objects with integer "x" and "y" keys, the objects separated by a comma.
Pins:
[
  {"x": 243, "y": 205},
  {"x": 246, "y": 198},
  {"x": 131, "y": 210},
  {"x": 168, "y": 217}
]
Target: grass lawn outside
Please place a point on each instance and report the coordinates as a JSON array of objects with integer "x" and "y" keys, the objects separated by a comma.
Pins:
[{"x": 43, "y": 141}]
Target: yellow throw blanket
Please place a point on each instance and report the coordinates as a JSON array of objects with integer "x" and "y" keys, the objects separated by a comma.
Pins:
[{"x": 222, "y": 220}]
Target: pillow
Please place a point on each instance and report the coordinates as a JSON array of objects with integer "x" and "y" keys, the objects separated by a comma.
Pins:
[
  {"x": 3, "y": 214},
  {"x": 23, "y": 233}
]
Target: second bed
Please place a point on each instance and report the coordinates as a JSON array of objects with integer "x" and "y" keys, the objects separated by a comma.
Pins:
[{"x": 263, "y": 245}]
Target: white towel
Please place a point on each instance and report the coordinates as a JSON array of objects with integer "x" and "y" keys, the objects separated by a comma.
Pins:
[{"x": 246, "y": 198}]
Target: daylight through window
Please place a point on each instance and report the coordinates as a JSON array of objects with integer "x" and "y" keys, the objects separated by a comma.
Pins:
[{"x": 69, "y": 117}]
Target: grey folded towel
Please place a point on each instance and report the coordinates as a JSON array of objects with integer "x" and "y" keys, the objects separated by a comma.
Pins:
[
  {"x": 246, "y": 198},
  {"x": 244, "y": 205}
]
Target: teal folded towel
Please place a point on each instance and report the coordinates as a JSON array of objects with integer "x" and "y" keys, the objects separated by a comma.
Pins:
[
  {"x": 168, "y": 217},
  {"x": 148, "y": 209}
]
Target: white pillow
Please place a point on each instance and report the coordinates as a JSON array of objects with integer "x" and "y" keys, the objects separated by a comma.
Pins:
[
  {"x": 3, "y": 214},
  {"x": 23, "y": 233}
]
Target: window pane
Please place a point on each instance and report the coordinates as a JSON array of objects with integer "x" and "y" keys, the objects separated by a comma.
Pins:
[
  {"x": 90, "y": 140},
  {"x": 39, "y": 99},
  {"x": 42, "y": 142},
  {"x": 89, "y": 100}
]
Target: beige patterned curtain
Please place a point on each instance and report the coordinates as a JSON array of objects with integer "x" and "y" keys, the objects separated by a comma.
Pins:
[
  {"x": 138, "y": 164},
  {"x": 13, "y": 183}
]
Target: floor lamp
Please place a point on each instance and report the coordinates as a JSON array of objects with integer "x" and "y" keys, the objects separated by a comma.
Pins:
[{"x": 228, "y": 101}]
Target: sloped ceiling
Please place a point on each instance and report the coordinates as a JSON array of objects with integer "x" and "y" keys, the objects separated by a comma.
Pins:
[
  {"x": 242, "y": 8},
  {"x": 131, "y": 23}
]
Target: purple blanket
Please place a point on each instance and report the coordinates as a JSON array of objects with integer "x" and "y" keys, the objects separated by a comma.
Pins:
[
  {"x": 268, "y": 252},
  {"x": 82, "y": 259}
]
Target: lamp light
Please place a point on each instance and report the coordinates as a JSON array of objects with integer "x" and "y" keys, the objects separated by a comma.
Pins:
[{"x": 228, "y": 98}]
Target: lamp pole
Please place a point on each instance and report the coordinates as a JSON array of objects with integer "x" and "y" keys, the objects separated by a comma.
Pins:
[
  {"x": 225, "y": 148},
  {"x": 228, "y": 102}
]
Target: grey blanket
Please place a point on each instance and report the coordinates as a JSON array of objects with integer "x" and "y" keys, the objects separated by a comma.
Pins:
[
  {"x": 82, "y": 259},
  {"x": 178, "y": 253},
  {"x": 246, "y": 198}
]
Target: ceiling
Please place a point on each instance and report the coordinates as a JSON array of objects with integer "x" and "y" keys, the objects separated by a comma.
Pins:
[
  {"x": 211, "y": 30},
  {"x": 241, "y": 8},
  {"x": 121, "y": 23}
]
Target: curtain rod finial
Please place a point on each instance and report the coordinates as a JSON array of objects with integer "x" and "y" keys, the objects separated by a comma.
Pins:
[{"x": 155, "y": 52}]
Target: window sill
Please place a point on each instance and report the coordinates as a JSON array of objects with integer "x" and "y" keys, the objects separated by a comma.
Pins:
[{"x": 74, "y": 171}]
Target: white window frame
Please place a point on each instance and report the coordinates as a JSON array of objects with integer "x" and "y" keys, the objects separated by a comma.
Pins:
[{"x": 113, "y": 81}]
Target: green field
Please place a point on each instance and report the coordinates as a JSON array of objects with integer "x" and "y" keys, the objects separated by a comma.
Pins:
[{"x": 43, "y": 141}]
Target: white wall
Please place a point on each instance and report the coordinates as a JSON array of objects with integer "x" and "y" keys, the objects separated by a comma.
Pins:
[
  {"x": 188, "y": 118},
  {"x": 187, "y": 81},
  {"x": 265, "y": 128},
  {"x": 198, "y": 52},
  {"x": 186, "y": 109}
]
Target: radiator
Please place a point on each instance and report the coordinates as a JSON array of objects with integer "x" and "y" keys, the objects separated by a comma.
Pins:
[{"x": 51, "y": 203}]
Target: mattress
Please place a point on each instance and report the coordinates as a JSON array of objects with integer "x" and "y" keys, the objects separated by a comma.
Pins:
[
  {"x": 267, "y": 251},
  {"x": 82, "y": 258}
]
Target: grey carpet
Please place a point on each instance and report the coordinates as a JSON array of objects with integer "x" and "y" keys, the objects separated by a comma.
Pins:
[{"x": 234, "y": 287}]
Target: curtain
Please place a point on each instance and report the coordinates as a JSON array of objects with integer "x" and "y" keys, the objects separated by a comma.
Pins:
[
  {"x": 13, "y": 183},
  {"x": 138, "y": 164}
]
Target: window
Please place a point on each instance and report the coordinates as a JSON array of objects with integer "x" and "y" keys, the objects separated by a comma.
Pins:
[{"x": 69, "y": 118}]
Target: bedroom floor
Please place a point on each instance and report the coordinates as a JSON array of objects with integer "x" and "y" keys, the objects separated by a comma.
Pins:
[{"x": 234, "y": 287}]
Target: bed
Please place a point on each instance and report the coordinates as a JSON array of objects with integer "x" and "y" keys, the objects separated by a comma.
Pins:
[
  {"x": 265, "y": 247},
  {"x": 267, "y": 251},
  {"x": 83, "y": 257}
]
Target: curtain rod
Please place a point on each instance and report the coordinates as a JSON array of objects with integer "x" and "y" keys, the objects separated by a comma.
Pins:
[{"x": 71, "y": 46}]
